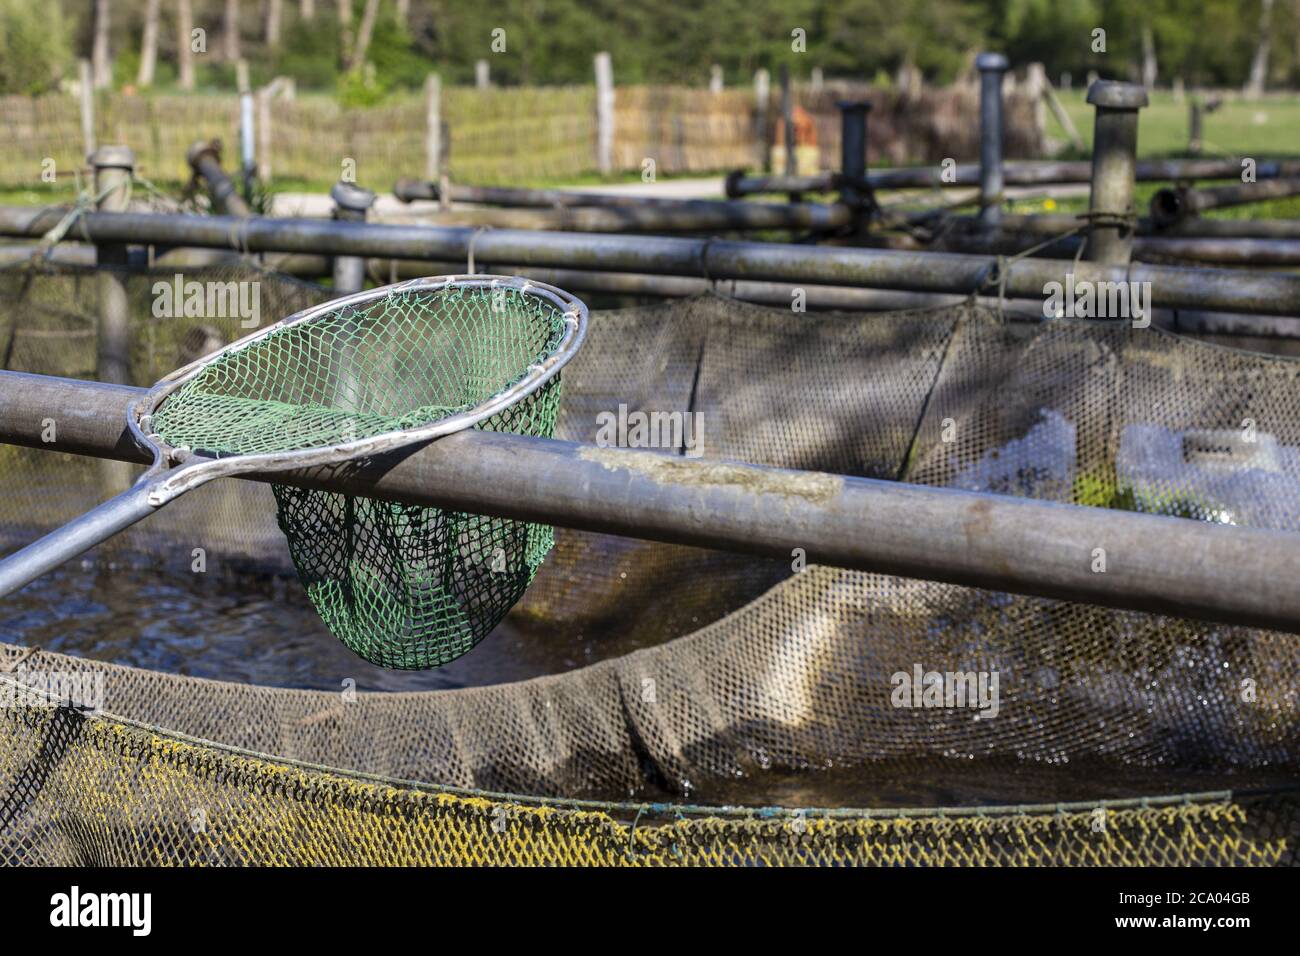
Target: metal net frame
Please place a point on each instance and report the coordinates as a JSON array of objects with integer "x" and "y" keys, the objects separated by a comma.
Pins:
[{"x": 403, "y": 586}]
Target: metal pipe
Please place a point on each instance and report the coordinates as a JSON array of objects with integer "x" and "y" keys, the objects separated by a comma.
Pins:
[
  {"x": 1171, "y": 206},
  {"x": 205, "y": 159},
  {"x": 853, "y": 150},
  {"x": 739, "y": 185},
  {"x": 1044, "y": 224},
  {"x": 114, "y": 171},
  {"x": 661, "y": 215},
  {"x": 1114, "y": 164},
  {"x": 1164, "y": 565},
  {"x": 1172, "y": 287},
  {"x": 351, "y": 204},
  {"x": 992, "y": 67},
  {"x": 848, "y": 298},
  {"x": 408, "y": 189},
  {"x": 1256, "y": 252}
]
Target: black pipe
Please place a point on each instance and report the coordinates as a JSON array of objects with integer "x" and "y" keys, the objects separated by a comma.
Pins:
[{"x": 1172, "y": 287}]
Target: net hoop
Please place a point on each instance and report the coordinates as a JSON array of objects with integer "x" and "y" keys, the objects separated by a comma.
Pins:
[{"x": 192, "y": 470}]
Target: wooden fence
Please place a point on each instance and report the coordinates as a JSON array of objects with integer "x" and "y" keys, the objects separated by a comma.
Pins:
[{"x": 500, "y": 135}]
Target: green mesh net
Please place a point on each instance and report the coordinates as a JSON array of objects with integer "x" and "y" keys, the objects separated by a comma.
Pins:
[{"x": 403, "y": 586}]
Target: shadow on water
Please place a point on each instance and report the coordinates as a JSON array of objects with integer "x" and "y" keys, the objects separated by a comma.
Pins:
[{"x": 247, "y": 629}]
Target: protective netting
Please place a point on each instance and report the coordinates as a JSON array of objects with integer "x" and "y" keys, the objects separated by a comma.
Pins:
[
  {"x": 402, "y": 585},
  {"x": 1120, "y": 737}
]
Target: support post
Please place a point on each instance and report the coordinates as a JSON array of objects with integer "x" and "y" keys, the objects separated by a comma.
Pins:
[
  {"x": 247, "y": 139},
  {"x": 992, "y": 67},
  {"x": 264, "y": 128},
  {"x": 351, "y": 204},
  {"x": 205, "y": 160},
  {"x": 482, "y": 74},
  {"x": 787, "y": 119},
  {"x": 1114, "y": 170},
  {"x": 85, "y": 80},
  {"x": 114, "y": 167},
  {"x": 604, "y": 114},
  {"x": 762, "y": 95},
  {"x": 853, "y": 150},
  {"x": 1194, "y": 127},
  {"x": 432, "y": 126}
]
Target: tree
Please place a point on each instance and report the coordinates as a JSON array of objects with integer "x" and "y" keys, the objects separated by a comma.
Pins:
[
  {"x": 230, "y": 30},
  {"x": 149, "y": 44},
  {"x": 100, "y": 57},
  {"x": 345, "y": 29},
  {"x": 34, "y": 47},
  {"x": 274, "y": 19},
  {"x": 1149, "y": 68},
  {"x": 184, "y": 51},
  {"x": 1259, "y": 63},
  {"x": 364, "y": 32}
]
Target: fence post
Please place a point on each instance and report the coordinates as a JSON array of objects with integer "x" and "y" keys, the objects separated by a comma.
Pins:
[
  {"x": 604, "y": 114},
  {"x": 264, "y": 132},
  {"x": 853, "y": 149},
  {"x": 1114, "y": 170},
  {"x": 762, "y": 93},
  {"x": 482, "y": 74},
  {"x": 114, "y": 167},
  {"x": 247, "y": 139},
  {"x": 787, "y": 120},
  {"x": 715, "y": 79},
  {"x": 992, "y": 67},
  {"x": 432, "y": 127},
  {"x": 86, "y": 82},
  {"x": 351, "y": 204},
  {"x": 1194, "y": 126}
]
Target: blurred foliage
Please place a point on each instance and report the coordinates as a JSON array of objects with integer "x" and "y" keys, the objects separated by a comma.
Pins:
[
  {"x": 35, "y": 46},
  {"x": 1205, "y": 42}
]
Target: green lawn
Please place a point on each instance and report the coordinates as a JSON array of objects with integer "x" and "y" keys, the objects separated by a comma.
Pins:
[{"x": 1268, "y": 129}]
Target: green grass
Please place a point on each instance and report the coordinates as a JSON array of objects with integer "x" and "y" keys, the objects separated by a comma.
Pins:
[{"x": 1268, "y": 129}]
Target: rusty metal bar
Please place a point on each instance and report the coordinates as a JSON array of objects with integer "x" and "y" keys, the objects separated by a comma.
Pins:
[{"x": 1165, "y": 565}]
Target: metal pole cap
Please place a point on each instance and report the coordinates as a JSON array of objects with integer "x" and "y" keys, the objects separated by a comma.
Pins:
[
  {"x": 992, "y": 63},
  {"x": 1114, "y": 95},
  {"x": 113, "y": 157},
  {"x": 848, "y": 106},
  {"x": 351, "y": 197},
  {"x": 201, "y": 148}
]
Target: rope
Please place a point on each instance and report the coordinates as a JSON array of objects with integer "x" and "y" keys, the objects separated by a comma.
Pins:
[
  {"x": 84, "y": 202},
  {"x": 704, "y": 262},
  {"x": 1120, "y": 220},
  {"x": 1000, "y": 266}
]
